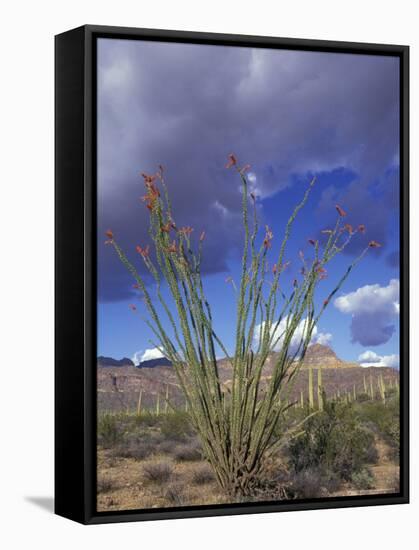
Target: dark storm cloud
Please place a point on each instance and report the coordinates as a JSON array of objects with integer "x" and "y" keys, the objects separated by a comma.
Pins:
[
  {"x": 188, "y": 106},
  {"x": 371, "y": 203},
  {"x": 393, "y": 259},
  {"x": 374, "y": 311}
]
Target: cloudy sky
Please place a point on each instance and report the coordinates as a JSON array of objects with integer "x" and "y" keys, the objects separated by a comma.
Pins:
[{"x": 290, "y": 115}]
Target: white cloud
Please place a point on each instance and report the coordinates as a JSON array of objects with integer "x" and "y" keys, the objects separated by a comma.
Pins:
[
  {"x": 320, "y": 338},
  {"x": 223, "y": 210},
  {"x": 151, "y": 353},
  {"x": 323, "y": 338},
  {"x": 372, "y": 359},
  {"x": 374, "y": 310}
]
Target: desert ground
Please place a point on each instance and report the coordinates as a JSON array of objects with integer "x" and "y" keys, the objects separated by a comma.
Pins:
[{"x": 150, "y": 457}]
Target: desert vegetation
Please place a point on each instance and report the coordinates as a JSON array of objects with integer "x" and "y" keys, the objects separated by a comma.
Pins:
[{"x": 157, "y": 460}]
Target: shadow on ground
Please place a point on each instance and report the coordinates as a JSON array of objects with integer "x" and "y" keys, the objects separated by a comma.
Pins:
[{"x": 46, "y": 503}]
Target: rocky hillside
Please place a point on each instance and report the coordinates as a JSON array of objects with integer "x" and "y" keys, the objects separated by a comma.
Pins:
[
  {"x": 119, "y": 386},
  {"x": 323, "y": 356}
]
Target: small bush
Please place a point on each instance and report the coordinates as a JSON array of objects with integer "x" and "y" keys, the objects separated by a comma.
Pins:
[
  {"x": 105, "y": 484},
  {"x": 312, "y": 483},
  {"x": 362, "y": 397},
  {"x": 189, "y": 452},
  {"x": 157, "y": 472},
  {"x": 136, "y": 450},
  {"x": 146, "y": 418},
  {"x": 175, "y": 425},
  {"x": 385, "y": 417},
  {"x": 174, "y": 495},
  {"x": 363, "y": 479},
  {"x": 202, "y": 474},
  {"x": 333, "y": 441},
  {"x": 167, "y": 447},
  {"x": 108, "y": 430}
]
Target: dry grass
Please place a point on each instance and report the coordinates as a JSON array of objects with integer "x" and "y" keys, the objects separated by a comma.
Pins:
[
  {"x": 157, "y": 471},
  {"x": 148, "y": 470},
  {"x": 202, "y": 475}
]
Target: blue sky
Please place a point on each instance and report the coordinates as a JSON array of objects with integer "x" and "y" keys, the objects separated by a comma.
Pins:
[{"x": 290, "y": 115}]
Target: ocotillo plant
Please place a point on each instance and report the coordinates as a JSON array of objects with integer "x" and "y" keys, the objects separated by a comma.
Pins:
[{"x": 240, "y": 425}]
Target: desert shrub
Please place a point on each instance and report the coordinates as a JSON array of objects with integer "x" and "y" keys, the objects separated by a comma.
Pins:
[
  {"x": 202, "y": 474},
  {"x": 175, "y": 425},
  {"x": 168, "y": 446},
  {"x": 134, "y": 449},
  {"x": 174, "y": 494},
  {"x": 363, "y": 479},
  {"x": 237, "y": 428},
  {"x": 188, "y": 452},
  {"x": 157, "y": 471},
  {"x": 104, "y": 484},
  {"x": 312, "y": 483},
  {"x": 146, "y": 418},
  {"x": 334, "y": 441},
  {"x": 385, "y": 417},
  {"x": 109, "y": 432},
  {"x": 362, "y": 397}
]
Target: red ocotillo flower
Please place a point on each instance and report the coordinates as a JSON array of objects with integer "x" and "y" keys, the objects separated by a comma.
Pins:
[
  {"x": 152, "y": 192},
  {"x": 267, "y": 241},
  {"x": 232, "y": 161},
  {"x": 143, "y": 251},
  {"x": 136, "y": 285},
  {"x": 172, "y": 248},
  {"x": 361, "y": 228},
  {"x": 132, "y": 307},
  {"x": 148, "y": 179},
  {"x": 325, "y": 303},
  {"x": 341, "y": 211},
  {"x": 274, "y": 269},
  {"x": 374, "y": 244},
  {"x": 312, "y": 242},
  {"x": 244, "y": 169},
  {"x": 349, "y": 228},
  {"x": 322, "y": 272},
  {"x": 166, "y": 227},
  {"x": 187, "y": 230},
  {"x": 109, "y": 234}
]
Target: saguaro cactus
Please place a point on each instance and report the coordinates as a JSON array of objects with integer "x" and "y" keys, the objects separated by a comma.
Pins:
[
  {"x": 236, "y": 426},
  {"x": 319, "y": 389},
  {"x": 382, "y": 388},
  {"x": 310, "y": 388},
  {"x": 140, "y": 396}
]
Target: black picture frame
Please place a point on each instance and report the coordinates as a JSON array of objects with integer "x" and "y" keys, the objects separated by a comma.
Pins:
[{"x": 75, "y": 272}]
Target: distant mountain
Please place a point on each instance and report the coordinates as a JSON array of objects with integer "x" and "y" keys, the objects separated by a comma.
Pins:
[
  {"x": 111, "y": 362},
  {"x": 318, "y": 355},
  {"x": 119, "y": 387},
  {"x": 159, "y": 362}
]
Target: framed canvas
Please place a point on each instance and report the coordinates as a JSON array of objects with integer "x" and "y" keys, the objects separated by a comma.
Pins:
[{"x": 231, "y": 274}]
